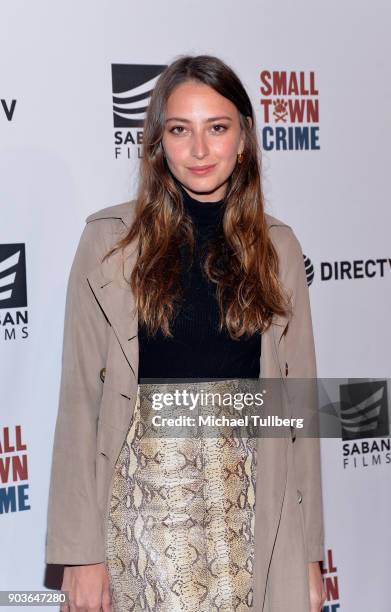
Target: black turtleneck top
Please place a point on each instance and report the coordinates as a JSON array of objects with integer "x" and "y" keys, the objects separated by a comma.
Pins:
[{"x": 198, "y": 350}]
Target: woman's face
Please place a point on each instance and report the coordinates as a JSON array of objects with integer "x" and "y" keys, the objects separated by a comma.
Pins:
[{"x": 201, "y": 140}]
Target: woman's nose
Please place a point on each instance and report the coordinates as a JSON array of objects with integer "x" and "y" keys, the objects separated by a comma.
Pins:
[{"x": 199, "y": 146}]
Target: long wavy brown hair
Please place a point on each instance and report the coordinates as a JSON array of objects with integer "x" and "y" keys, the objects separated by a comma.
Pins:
[{"x": 241, "y": 260}]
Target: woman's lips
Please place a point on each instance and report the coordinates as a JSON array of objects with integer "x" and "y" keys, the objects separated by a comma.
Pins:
[{"x": 201, "y": 170}]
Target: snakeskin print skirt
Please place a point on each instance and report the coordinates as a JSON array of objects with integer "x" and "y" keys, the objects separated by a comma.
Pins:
[{"x": 180, "y": 528}]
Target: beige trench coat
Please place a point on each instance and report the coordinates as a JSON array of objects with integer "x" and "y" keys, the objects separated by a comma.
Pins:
[{"x": 93, "y": 417}]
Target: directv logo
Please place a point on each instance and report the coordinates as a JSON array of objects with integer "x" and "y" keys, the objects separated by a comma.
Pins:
[
  {"x": 13, "y": 293},
  {"x": 348, "y": 270},
  {"x": 309, "y": 269}
]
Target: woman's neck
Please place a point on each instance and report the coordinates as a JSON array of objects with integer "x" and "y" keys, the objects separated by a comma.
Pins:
[{"x": 202, "y": 212}]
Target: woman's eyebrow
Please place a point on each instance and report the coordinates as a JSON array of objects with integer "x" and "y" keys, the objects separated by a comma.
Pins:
[{"x": 206, "y": 120}]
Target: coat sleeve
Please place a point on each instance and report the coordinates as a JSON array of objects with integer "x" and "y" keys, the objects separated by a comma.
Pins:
[
  {"x": 74, "y": 529},
  {"x": 299, "y": 353}
]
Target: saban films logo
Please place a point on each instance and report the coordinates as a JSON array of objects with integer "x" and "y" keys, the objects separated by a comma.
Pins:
[
  {"x": 132, "y": 89},
  {"x": 364, "y": 411},
  {"x": 364, "y": 415},
  {"x": 13, "y": 291}
]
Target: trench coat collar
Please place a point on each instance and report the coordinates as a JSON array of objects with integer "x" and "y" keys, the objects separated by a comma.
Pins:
[
  {"x": 109, "y": 283},
  {"x": 113, "y": 293}
]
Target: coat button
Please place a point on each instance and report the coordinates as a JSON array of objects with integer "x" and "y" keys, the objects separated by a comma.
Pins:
[
  {"x": 286, "y": 369},
  {"x": 299, "y": 496},
  {"x": 102, "y": 374},
  {"x": 293, "y": 433}
]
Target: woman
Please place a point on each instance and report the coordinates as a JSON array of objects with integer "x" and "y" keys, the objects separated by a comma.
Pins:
[{"x": 193, "y": 279}]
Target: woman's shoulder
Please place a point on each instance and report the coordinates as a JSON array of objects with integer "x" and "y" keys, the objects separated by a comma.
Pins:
[
  {"x": 284, "y": 238},
  {"x": 118, "y": 218},
  {"x": 106, "y": 226},
  {"x": 289, "y": 252},
  {"x": 123, "y": 212},
  {"x": 102, "y": 231}
]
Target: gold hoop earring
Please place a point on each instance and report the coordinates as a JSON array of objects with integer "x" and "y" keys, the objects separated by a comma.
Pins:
[{"x": 240, "y": 158}]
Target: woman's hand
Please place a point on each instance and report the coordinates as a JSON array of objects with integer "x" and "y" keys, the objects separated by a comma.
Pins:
[
  {"x": 87, "y": 587},
  {"x": 317, "y": 591}
]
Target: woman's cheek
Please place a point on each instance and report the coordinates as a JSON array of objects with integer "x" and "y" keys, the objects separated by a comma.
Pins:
[{"x": 228, "y": 149}]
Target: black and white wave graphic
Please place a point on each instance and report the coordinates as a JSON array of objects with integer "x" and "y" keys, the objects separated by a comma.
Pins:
[
  {"x": 364, "y": 410},
  {"x": 133, "y": 85},
  {"x": 13, "y": 293}
]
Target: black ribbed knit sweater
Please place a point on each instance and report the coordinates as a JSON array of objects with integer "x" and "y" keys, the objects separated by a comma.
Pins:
[{"x": 198, "y": 350}]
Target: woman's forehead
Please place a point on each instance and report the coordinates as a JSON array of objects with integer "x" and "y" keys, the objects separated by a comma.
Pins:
[{"x": 198, "y": 100}]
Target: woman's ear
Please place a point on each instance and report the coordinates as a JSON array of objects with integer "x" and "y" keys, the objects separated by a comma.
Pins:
[{"x": 243, "y": 137}]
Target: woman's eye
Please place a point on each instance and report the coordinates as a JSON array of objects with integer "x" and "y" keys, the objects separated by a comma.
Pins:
[
  {"x": 221, "y": 127},
  {"x": 177, "y": 127}
]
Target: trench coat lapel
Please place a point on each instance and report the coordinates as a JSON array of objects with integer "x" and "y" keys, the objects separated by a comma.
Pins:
[
  {"x": 112, "y": 292},
  {"x": 119, "y": 306},
  {"x": 108, "y": 282}
]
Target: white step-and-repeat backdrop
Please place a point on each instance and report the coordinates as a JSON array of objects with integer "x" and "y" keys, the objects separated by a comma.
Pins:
[{"x": 318, "y": 76}]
